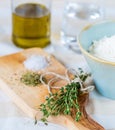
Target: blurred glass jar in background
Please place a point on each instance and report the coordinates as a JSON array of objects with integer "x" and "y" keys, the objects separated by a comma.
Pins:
[
  {"x": 31, "y": 23},
  {"x": 77, "y": 14}
]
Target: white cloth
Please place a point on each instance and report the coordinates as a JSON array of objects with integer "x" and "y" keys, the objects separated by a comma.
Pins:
[{"x": 11, "y": 117}]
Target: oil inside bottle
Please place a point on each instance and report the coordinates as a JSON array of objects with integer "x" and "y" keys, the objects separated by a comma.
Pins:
[{"x": 31, "y": 25}]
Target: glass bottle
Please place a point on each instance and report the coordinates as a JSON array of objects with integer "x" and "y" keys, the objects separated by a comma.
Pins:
[{"x": 31, "y": 23}]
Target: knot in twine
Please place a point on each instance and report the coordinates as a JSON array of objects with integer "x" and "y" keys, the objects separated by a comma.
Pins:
[{"x": 83, "y": 88}]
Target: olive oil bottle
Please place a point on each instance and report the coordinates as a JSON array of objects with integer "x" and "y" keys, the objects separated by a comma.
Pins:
[{"x": 31, "y": 25}]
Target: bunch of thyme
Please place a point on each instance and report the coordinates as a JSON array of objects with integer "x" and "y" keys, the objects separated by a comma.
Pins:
[{"x": 65, "y": 100}]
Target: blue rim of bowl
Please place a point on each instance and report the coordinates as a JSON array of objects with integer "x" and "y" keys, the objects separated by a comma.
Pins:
[{"x": 86, "y": 52}]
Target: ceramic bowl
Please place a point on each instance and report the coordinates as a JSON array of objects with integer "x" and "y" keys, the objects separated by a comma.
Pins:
[{"x": 103, "y": 71}]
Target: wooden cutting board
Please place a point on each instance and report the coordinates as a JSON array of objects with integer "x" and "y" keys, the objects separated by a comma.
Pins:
[{"x": 29, "y": 98}]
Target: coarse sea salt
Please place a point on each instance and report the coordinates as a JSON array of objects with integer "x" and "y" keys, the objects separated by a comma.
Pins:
[
  {"x": 104, "y": 48},
  {"x": 36, "y": 62}
]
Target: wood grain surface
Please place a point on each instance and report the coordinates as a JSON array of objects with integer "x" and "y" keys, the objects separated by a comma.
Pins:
[{"x": 29, "y": 98}]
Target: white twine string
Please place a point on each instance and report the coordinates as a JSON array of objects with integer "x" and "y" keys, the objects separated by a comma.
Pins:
[
  {"x": 56, "y": 77},
  {"x": 65, "y": 77}
]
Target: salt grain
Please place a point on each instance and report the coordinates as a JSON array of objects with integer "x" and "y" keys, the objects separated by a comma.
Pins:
[
  {"x": 36, "y": 62},
  {"x": 104, "y": 48}
]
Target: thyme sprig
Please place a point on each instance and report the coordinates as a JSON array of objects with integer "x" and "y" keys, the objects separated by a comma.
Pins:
[{"x": 65, "y": 100}]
